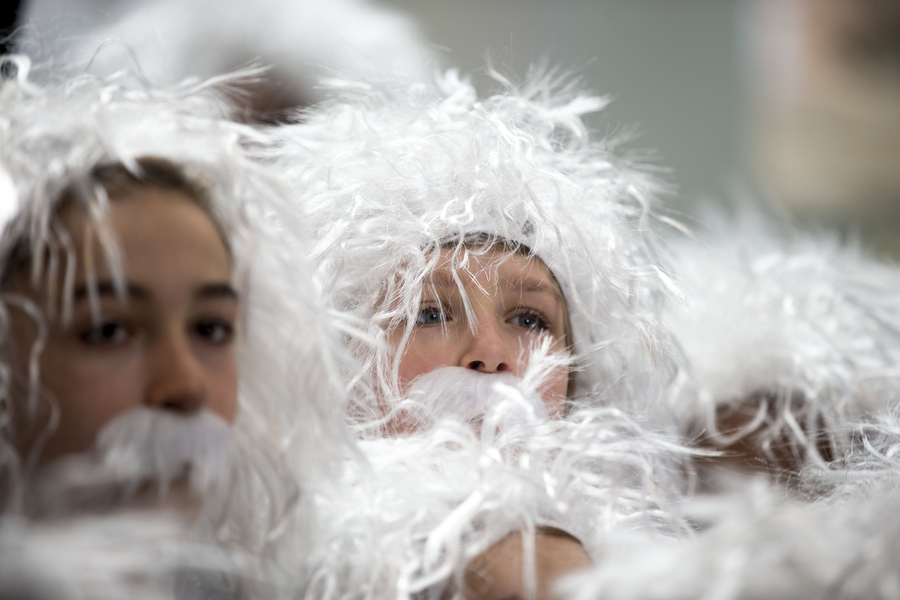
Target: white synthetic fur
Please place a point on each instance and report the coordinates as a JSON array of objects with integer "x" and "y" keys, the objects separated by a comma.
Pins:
[
  {"x": 757, "y": 545},
  {"x": 110, "y": 557},
  {"x": 435, "y": 499},
  {"x": 468, "y": 395},
  {"x": 145, "y": 447},
  {"x": 169, "y": 40},
  {"x": 390, "y": 174},
  {"x": 290, "y": 359},
  {"x": 804, "y": 318}
]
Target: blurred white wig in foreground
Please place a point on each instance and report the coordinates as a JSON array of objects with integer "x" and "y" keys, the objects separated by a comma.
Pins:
[
  {"x": 288, "y": 432},
  {"x": 391, "y": 175},
  {"x": 841, "y": 542}
]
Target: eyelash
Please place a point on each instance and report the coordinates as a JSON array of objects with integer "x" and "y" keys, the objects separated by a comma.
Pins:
[
  {"x": 541, "y": 323},
  {"x": 441, "y": 315},
  {"x": 202, "y": 329},
  {"x": 214, "y": 331},
  {"x": 432, "y": 309},
  {"x": 106, "y": 333}
]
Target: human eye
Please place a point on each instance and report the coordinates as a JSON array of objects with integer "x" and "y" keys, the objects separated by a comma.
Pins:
[
  {"x": 105, "y": 333},
  {"x": 432, "y": 315},
  {"x": 530, "y": 320},
  {"x": 216, "y": 331}
]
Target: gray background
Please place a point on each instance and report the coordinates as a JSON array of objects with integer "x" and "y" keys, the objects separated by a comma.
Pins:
[{"x": 672, "y": 67}]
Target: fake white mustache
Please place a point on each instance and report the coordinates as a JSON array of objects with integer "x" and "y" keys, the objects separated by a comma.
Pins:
[
  {"x": 467, "y": 395},
  {"x": 140, "y": 447}
]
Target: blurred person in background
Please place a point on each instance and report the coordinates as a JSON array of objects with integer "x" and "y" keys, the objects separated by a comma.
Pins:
[{"x": 299, "y": 42}]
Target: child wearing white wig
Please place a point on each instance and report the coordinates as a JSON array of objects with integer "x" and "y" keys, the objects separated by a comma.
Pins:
[
  {"x": 502, "y": 266},
  {"x": 410, "y": 188},
  {"x": 759, "y": 544},
  {"x": 150, "y": 330},
  {"x": 837, "y": 538},
  {"x": 793, "y": 339}
]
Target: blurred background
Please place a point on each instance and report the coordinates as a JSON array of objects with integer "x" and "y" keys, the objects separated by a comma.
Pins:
[
  {"x": 794, "y": 101},
  {"x": 671, "y": 68}
]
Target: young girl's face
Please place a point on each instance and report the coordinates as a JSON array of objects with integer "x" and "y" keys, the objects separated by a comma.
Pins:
[
  {"x": 169, "y": 346},
  {"x": 514, "y": 304}
]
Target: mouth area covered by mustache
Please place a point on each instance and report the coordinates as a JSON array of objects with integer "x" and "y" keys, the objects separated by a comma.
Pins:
[
  {"x": 139, "y": 449},
  {"x": 469, "y": 396}
]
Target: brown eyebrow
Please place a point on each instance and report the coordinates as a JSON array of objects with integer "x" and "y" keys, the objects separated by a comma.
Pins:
[
  {"x": 107, "y": 288},
  {"x": 528, "y": 284},
  {"x": 137, "y": 292},
  {"x": 543, "y": 286},
  {"x": 217, "y": 290},
  {"x": 440, "y": 278}
]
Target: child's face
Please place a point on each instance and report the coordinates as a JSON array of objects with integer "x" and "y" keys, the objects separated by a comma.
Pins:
[
  {"x": 514, "y": 303},
  {"x": 169, "y": 346}
]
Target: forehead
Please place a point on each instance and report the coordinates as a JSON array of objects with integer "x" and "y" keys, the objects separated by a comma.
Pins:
[
  {"x": 156, "y": 231},
  {"x": 491, "y": 266}
]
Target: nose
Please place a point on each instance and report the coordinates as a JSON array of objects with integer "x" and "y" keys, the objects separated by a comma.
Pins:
[
  {"x": 489, "y": 350},
  {"x": 176, "y": 382}
]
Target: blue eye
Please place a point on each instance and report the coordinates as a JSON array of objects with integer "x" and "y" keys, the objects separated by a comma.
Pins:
[
  {"x": 107, "y": 333},
  {"x": 530, "y": 320},
  {"x": 214, "y": 331},
  {"x": 431, "y": 315}
]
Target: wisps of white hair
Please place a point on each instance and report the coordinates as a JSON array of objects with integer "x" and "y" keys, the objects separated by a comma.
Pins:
[
  {"x": 435, "y": 499},
  {"x": 168, "y": 41},
  {"x": 290, "y": 359},
  {"x": 756, "y": 544},
  {"x": 389, "y": 175},
  {"x": 803, "y": 321}
]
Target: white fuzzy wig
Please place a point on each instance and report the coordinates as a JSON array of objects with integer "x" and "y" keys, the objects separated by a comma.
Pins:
[
  {"x": 170, "y": 40},
  {"x": 836, "y": 536},
  {"x": 140, "y": 555},
  {"x": 391, "y": 175},
  {"x": 289, "y": 359},
  {"x": 757, "y": 545},
  {"x": 801, "y": 329}
]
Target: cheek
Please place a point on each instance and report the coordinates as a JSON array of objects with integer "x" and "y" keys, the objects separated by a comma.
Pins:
[
  {"x": 555, "y": 389},
  {"x": 219, "y": 364},
  {"x": 89, "y": 393},
  {"x": 426, "y": 351},
  {"x": 553, "y": 393},
  {"x": 223, "y": 400}
]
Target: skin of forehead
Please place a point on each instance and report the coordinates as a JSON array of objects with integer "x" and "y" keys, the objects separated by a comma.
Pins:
[
  {"x": 497, "y": 267},
  {"x": 75, "y": 219}
]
